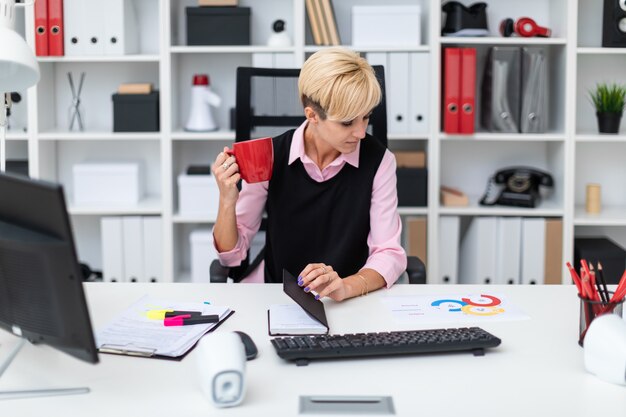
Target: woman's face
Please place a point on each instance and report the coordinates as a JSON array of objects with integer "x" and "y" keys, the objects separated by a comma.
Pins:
[{"x": 344, "y": 136}]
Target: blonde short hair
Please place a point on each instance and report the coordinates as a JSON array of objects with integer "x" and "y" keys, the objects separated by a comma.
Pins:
[{"x": 339, "y": 84}]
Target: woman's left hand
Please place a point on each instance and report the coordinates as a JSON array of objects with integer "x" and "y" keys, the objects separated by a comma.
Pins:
[{"x": 324, "y": 280}]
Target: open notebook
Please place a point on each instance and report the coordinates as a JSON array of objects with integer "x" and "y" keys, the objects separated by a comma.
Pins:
[{"x": 306, "y": 316}]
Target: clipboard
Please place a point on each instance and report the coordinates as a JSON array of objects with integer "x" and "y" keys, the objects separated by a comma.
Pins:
[
  {"x": 144, "y": 352},
  {"x": 306, "y": 300}
]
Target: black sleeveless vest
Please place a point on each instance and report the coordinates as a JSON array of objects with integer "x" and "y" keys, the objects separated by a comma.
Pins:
[{"x": 310, "y": 222}]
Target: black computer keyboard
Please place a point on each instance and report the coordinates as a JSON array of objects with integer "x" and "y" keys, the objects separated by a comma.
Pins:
[{"x": 303, "y": 348}]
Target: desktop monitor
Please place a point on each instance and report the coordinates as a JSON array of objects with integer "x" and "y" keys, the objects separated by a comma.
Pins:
[{"x": 41, "y": 292}]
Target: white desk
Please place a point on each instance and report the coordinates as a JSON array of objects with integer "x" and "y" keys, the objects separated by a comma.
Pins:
[{"x": 537, "y": 370}]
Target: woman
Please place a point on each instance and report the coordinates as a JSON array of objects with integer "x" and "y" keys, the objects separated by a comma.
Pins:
[{"x": 332, "y": 201}]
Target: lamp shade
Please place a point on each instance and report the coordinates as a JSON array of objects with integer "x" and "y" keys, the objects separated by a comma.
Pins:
[{"x": 18, "y": 66}]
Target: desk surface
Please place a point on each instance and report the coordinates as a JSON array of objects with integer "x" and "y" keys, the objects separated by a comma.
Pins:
[{"x": 537, "y": 370}]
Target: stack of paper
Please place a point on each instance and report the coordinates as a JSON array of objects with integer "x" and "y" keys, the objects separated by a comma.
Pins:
[{"x": 134, "y": 333}]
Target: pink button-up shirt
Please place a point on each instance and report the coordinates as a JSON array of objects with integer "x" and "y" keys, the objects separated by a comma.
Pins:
[{"x": 386, "y": 255}]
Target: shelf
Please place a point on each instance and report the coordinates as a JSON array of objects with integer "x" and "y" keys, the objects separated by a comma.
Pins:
[
  {"x": 247, "y": 49},
  {"x": 600, "y": 51},
  {"x": 111, "y": 58},
  {"x": 90, "y": 136},
  {"x": 492, "y": 40},
  {"x": 389, "y": 48},
  {"x": 220, "y": 135},
  {"x": 505, "y": 137},
  {"x": 17, "y": 136},
  {"x": 610, "y": 216},
  {"x": 600, "y": 137},
  {"x": 149, "y": 205},
  {"x": 412, "y": 211},
  {"x": 177, "y": 218},
  {"x": 545, "y": 209},
  {"x": 407, "y": 136}
]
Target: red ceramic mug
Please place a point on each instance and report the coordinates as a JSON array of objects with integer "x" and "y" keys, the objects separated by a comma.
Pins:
[{"x": 255, "y": 159}]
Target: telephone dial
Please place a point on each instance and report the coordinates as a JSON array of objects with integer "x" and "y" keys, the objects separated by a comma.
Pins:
[{"x": 516, "y": 186}]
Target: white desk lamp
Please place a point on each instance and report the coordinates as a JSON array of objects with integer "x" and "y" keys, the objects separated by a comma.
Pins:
[{"x": 18, "y": 67}]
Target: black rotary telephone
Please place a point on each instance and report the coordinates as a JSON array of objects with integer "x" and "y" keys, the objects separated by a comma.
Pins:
[{"x": 516, "y": 186}]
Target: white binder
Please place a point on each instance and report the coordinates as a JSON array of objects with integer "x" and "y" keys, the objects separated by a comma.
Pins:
[
  {"x": 419, "y": 92},
  {"x": 398, "y": 92},
  {"x": 533, "y": 250},
  {"x": 449, "y": 229},
  {"x": 112, "y": 249},
  {"x": 73, "y": 19},
  {"x": 152, "y": 249},
  {"x": 92, "y": 27},
  {"x": 133, "y": 248},
  {"x": 509, "y": 247},
  {"x": 121, "y": 36},
  {"x": 478, "y": 252}
]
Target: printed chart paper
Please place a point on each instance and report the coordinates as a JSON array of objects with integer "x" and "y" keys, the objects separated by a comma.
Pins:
[{"x": 458, "y": 308}]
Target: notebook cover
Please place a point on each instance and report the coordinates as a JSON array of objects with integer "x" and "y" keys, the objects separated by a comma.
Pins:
[{"x": 306, "y": 300}]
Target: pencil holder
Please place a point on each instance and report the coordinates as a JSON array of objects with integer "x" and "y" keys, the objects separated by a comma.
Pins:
[{"x": 590, "y": 309}]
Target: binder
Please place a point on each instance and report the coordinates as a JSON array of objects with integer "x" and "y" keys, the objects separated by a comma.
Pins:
[
  {"x": 92, "y": 26},
  {"x": 449, "y": 232},
  {"x": 500, "y": 102},
  {"x": 41, "y": 28},
  {"x": 478, "y": 252},
  {"x": 55, "y": 22},
  {"x": 398, "y": 93},
  {"x": 120, "y": 27},
  {"x": 451, "y": 89},
  {"x": 112, "y": 249},
  {"x": 468, "y": 90},
  {"x": 419, "y": 91},
  {"x": 152, "y": 249},
  {"x": 73, "y": 17},
  {"x": 533, "y": 250},
  {"x": 534, "y": 87},
  {"x": 132, "y": 234},
  {"x": 509, "y": 247},
  {"x": 554, "y": 252}
]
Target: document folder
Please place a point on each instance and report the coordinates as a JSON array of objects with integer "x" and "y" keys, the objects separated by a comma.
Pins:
[
  {"x": 56, "y": 27},
  {"x": 534, "y": 86},
  {"x": 468, "y": 91},
  {"x": 451, "y": 89},
  {"x": 41, "y": 28},
  {"x": 306, "y": 300},
  {"x": 500, "y": 103}
]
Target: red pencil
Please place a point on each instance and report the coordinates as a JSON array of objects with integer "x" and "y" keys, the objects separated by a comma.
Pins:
[
  {"x": 620, "y": 292},
  {"x": 575, "y": 277}
]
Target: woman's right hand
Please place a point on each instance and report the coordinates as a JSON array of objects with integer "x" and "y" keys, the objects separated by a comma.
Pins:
[{"x": 226, "y": 172}]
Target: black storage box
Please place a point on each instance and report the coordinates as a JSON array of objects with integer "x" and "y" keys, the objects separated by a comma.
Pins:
[
  {"x": 611, "y": 255},
  {"x": 412, "y": 187},
  {"x": 218, "y": 26},
  {"x": 136, "y": 112}
]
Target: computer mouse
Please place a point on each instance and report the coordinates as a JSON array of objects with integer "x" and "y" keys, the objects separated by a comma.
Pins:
[{"x": 251, "y": 350}]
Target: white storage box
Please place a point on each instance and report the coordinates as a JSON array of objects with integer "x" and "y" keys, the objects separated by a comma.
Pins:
[
  {"x": 386, "y": 26},
  {"x": 198, "y": 196},
  {"x": 202, "y": 254},
  {"x": 108, "y": 183}
]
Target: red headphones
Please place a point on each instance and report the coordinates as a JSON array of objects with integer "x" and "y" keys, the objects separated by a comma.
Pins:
[{"x": 524, "y": 26}]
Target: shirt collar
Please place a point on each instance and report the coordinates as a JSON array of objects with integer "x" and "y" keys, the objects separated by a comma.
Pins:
[{"x": 297, "y": 150}]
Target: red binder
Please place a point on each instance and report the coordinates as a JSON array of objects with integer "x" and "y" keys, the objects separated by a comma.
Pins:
[
  {"x": 468, "y": 90},
  {"x": 451, "y": 89},
  {"x": 55, "y": 24},
  {"x": 41, "y": 28}
]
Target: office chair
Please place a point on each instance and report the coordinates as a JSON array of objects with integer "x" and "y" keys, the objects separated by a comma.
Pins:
[{"x": 267, "y": 103}]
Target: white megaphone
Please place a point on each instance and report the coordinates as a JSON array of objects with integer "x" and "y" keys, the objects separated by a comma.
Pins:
[{"x": 202, "y": 98}]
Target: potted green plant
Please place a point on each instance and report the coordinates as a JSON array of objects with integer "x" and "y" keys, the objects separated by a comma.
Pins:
[{"x": 609, "y": 101}]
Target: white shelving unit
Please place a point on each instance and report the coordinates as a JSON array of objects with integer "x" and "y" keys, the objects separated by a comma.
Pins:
[{"x": 572, "y": 150}]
